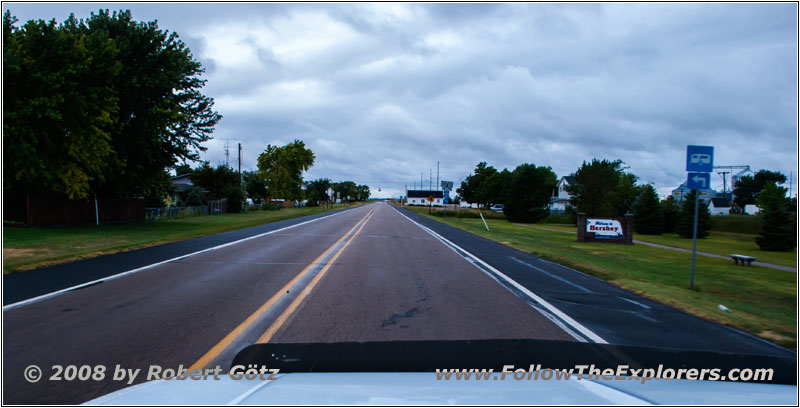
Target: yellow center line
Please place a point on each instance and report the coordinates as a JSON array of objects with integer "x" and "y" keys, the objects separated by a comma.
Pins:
[
  {"x": 242, "y": 327},
  {"x": 267, "y": 336}
]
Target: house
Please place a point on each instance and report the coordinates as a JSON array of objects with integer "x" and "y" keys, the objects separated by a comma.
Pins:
[
  {"x": 719, "y": 206},
  {"x": 682, "y": 191},
  {"x": 420, "y": 197},
  {"x": 560, "y": 199},
  {"x": 181, "y": 183}
]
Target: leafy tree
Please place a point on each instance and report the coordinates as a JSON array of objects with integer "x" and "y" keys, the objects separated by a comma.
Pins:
[
  {"x": 220, "y": 182},
  {"x": 471, "y": 190},
  {"x": 686, "y": 218},
  {"x": 748, "y": 187},
  {"x": 183, "y": 169},
  {"x": 59, "y": 107},
  {"x": 603, "y": 189},
  {"x": 100, "y": 105},
  {"x": 317, "y": 191},
  {"x": 649, "y": 217},
  {"x": 282, "y": 169},
  {"x": 345, "y": 189},
  {"x": 254, "y": 185},
  {"x": 625, "y": 195},
  {"x": 777, "y": 232},
  {"x": 528, "y": 194},
  {"x": 495, "y": 188},
  {"x": 362, "y": 193},
  {"x": 162, "y": 116},
  {"x": 671, "y": 212}
]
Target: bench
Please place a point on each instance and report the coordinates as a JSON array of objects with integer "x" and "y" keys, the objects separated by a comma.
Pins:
[{"x": 744, "y": 258}]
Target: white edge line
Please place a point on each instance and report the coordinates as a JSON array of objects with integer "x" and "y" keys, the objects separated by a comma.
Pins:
[
  {"x": 563, "y": 316},
  {"x": 132, "y": 271}
]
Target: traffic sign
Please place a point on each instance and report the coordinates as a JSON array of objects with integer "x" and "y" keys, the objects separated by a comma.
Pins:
[
  {"x": 700, "y": 159},
  {"x": 698, "y": 181},
  {"x": 430, "y": 198}
]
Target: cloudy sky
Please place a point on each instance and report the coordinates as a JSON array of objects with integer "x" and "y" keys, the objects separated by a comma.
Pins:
[{"x": 381, "y": 92}]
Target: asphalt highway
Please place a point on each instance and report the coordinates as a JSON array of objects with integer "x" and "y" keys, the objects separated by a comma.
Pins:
[{"x": 371, "y": 273}]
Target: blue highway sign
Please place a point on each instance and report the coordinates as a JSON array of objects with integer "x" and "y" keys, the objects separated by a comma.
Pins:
[
  {"x": 698, "y": 181},
  {"x": 700, "y": 159}
]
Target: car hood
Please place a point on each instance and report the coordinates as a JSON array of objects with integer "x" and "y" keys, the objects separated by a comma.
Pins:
[{"x": 424, "y": 389}]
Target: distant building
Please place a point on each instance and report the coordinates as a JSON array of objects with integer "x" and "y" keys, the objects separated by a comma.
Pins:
[
  {"x": 719, "y": 206},
  {"x": 560, "y": 199},
  {"x": 680, "y": 193},
  {"x": 420, "y": 197},
  {"x": 751, "y": 209}
]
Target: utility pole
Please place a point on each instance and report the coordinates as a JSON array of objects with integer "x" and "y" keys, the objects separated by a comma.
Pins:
[
  {"x": 420, "y": 180},
  {"x": 437, "y": 176},
  {"x": 724, "y": 190},
  {"x": 430, "y": 179},
  {"x": 694, "y": 233},
  {"x": 241, "y": 182}
]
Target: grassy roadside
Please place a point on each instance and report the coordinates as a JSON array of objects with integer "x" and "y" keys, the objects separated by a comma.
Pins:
[
  {"x": 718, "y": 242},
  {"x": 762, "y": 301},
  {"x": 28, "y": 248}
]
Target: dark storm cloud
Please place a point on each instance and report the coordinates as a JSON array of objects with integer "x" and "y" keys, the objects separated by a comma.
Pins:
[{"x": 381, "y": 92}]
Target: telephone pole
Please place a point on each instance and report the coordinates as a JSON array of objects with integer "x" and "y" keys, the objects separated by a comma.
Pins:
[
  {"x": 437, "y": 176},
  {"x": 241, "y": 183}
]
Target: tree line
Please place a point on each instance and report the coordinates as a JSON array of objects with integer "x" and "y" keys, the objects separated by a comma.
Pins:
[
  {"x": 604, "y": 188},
  {"x": 279, "y": 176}
]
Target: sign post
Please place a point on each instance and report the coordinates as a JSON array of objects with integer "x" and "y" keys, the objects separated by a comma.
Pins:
[
  {"x": 430, "y": 203},
  {"x": 699, "y": 163}
]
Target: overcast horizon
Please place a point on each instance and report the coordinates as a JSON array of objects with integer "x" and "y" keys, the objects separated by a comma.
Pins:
[{"x": 381, "y": 92}]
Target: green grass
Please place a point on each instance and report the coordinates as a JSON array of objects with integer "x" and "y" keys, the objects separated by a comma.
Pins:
[
  {"x": 718, "y": 242},
  {"x": 763, "y": 301},
  {"x": 28, "y": 248}
]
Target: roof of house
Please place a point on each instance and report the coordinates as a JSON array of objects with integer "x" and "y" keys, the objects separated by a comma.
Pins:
[
  {"x": 425, "y": 194},
  {"x": 570, "y": 180},
  {"x": 720, "y": 202}
]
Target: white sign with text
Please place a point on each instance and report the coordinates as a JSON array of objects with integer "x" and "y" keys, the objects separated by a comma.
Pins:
[{"x": 604, "y": 228}]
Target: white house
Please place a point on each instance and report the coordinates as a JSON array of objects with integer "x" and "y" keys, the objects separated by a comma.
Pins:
[
  {"x": 719, "y": 206},
  {"x": 420, "y": 197},
  {"x": 560, "y": 200}
]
